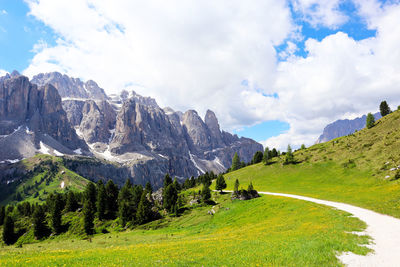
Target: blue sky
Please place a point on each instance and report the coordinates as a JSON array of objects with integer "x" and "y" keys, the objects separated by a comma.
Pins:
[{"x": 159, "y": 56}]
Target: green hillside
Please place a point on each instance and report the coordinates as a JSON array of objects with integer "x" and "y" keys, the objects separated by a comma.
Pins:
[
  {"x": 42, "y": 175},
  {"x": 356, "y": 169},
  {"x": 267, "y": 231}
]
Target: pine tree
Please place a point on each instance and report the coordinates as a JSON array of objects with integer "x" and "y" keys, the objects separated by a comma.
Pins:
[
  {"x": 72, "y": 203},
  {"x": 205, "y": 193},
  {"x": 143, "y": 214},
  {"x": 235, "y": 162},
  {"x": 112, "y": 199},
  {"x": 220, "y": 184},
  {"x": 236, "y": 186},
  {"x": 274, "y": 153},
  {"x": 177, "y": 185},
  {"x": 266, "y": 156},
  {"x": 56, "y": 214},
  {"x": 125, "y": 203},
  {"x": 148, "y": 188},
  {"x": 8, "y": 230},
  {"x": 258, "y": 157},
  {"x": 289, "y": 158},
  {"x": 303, "y": 147},
  {"x": 384, "y": 108},
  {"x": 167, "y": 180},
  {"x": 88, "y": 217},
  {"x": 91, "y": 195},
  {"x": 2, "y": 214},
  {"x": 370, "y": 121},
  {"x": 101, "y": 200},
  {"x": 39, "y": 223},
  {"x": 170, "y": 196},
  {"x": 250, "y": 188}
]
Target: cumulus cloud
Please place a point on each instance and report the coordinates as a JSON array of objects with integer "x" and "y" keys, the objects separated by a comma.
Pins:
[
  {"x": 196, "y": 55},
  {"x": 186, "y": 54},
  {"x": 339, "y": 78}
]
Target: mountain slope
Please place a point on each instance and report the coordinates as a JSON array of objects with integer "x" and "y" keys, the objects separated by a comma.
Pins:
[{"x": 359, "y": 169}]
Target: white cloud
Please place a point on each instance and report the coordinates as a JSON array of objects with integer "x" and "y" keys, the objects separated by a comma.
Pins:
[
  {"x": 3, "y": 72},
  {"x": 3, "y": 12},
  {"x": 187, "y": 54},
  {"x": 195, "y": 54},
  {"x": 320, "y": 12},
  {"x": 339, "y": 78}
]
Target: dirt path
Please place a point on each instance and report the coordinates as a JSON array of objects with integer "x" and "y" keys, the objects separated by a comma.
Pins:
[{"x": 384, "y": 230}]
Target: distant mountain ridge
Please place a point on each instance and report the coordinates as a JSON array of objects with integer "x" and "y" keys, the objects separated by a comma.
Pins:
[
  {"x": 341, "y": 128},
  {"x": 142, "y": 140}
]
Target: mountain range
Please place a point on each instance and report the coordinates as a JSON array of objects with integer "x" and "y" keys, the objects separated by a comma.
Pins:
[{"x": 104, "y": 136}]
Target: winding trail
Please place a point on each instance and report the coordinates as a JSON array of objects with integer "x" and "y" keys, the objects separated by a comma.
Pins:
[{"x": 384, "y": 230}]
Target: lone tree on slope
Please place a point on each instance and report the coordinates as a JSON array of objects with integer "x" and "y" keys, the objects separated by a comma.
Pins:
[
  {"x": 220, "y": 183},
  {"x": 384, "y": 108},
  {"x": 370, "y": 121},
  {"x": 235, "y": 162},
  {"x": 289, "y": 158}
]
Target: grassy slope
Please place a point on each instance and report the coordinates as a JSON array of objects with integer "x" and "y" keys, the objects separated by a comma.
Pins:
[
  {"x": 264, "y": 231},
  {"x": 349, "y": 169},
  {"x": 47, "y": 181}
]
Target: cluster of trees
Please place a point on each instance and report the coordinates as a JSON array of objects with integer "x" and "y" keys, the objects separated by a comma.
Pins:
[{"x": 258, "y": 157}]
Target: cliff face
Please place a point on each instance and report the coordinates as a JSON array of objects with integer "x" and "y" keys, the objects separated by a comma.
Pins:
[
  {"x": 59, "y": 115},
  {"x": 343, "y": 127}
]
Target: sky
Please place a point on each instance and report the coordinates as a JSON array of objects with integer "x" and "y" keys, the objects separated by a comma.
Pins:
[{"x": 275, "y": 71}]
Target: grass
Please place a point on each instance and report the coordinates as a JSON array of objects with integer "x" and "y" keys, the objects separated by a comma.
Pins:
[
  {"x": 354, "y": 169},
  {"x": 269, "y": 231},
  {"x": 44, "y": 175}
]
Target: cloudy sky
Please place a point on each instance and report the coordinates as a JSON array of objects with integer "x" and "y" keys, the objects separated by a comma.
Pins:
[{"x": 277, "y": 71}]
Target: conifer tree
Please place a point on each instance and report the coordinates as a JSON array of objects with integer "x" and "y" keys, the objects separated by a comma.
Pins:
[
  {"x": 143, "y": 214},
  {"x": 125, "y": 203},
  {"x": 177, "y": 185},
  {"x": 91, "y": 195},
  {"x": 2, "y": 214},
  {"x": 236, "y": 164},
  {"x": 88, "y": 217},
  {"x": 167, "y": 180},
  {"x": 274, "y": 153},
  {"x": 303, "y": 147},
  {"x": 39, "y": 223},
  {"x": 384, "y": 108},
  {"x": 236, "y": 186},
  {"x": 220, "y": 184},
  {"x": 170, "y": 196},
  {"x": 101, "y": 200},
  {"x": 148, "y": 188},
  {"x": 56, "y": 214},
  {"x": 370, "y": 121},
  {"x": 289, "y": 158},
  {"x": 266, "y": 156},
  {"x": 112, "y": 199},
  {"x": 72, "y": 203},
  {"x": 258, "y": 157},
  {"x": 205, "y": 193},
  {"x": 250, "y": 188},
  {"x": 8, "y": 230}
]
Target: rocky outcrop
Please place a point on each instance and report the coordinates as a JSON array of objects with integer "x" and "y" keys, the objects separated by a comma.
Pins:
[
  {"x": 70, "y": 87},
  {"x": 343, "y": 127}
]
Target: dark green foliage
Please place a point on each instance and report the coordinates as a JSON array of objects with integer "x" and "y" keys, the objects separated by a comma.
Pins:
[
  {"x": 205, "y": 193},
  {"x": 235, "y": 162},
  {"x": 370, "y": 121},
  {"x": 91, "y": 195},
  {"x": 236, "y": 186},
  {"x": 2, "y": 214},
  {"x": 170, "y": 197},
  {"x": 289, "y": 158},
  {"x": 220, "y": 184},
  {"x": 250, "y": 187},
  {"x": 88, "y": 217},
  {"x": 137, "y": 194},
  {"x": 167, "y": 180},
  {"x": 143, "y": 214},
  {"x": 148, "y": 188},
  {"x": 258, "y": 157},
  {"x": 266, "y": 155},
  {"x": 72, "y": 202},
  {"x": 177, "y": 185},
  {"x": 40, "y": 228},
  {"x": 112, "y": 199},
  {"x": 125, "y": 203},
  {"x": 384, "y": 108},
  {"x": 56, "y": 214},
  {"x": 101, "y": 202},
  {"x": 8, "y": 230},
  {"x": 274, "y": 153},
  {"x": 303, "y": 146}
]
